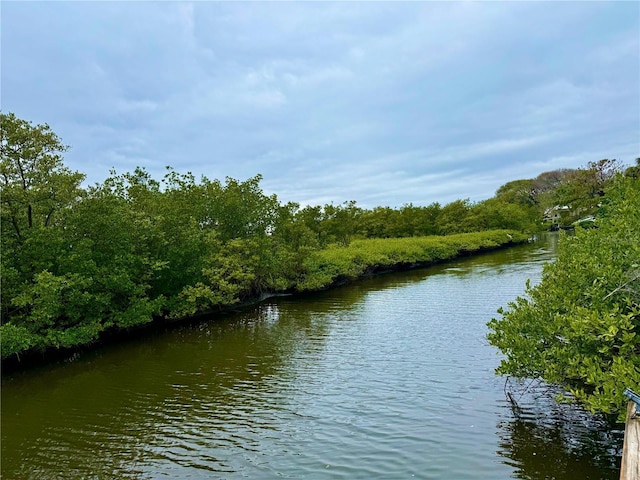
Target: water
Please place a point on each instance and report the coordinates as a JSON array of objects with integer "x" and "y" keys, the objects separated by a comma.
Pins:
[{"x": 389, "y": 378}]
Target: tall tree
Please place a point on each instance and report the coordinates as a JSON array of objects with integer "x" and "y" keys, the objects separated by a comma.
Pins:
[{"x": 35, "y": 183}]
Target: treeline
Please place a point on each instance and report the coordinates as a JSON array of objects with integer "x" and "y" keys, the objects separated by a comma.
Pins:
[
  {"x": 519, "y": 205},
  {"x": 77, "y": 261}
]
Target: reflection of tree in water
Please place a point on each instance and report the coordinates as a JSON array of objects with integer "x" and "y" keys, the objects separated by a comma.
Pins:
[
  {"x": 218, "y": 387},
  {"x": 546, "y": 440}
]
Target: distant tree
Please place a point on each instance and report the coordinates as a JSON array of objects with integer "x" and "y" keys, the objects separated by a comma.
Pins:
[
  {"x": 518, "y": 191},
  {"x": 453, "y": 217},
  {"x": 633, "y": 171},
  {"x": 545, "y": 185},
  {"x": 238, "y": 209},
  {"x": 340, "y": 222},
  {"x": 496, "y": 213},
  {"x": 583, "y": 187},
  {"x": 419, "y": 221},
  {"x": 375, "y": 223},
  {"x": 311, "y": 217},
  {"x": 549, "y": 181}
]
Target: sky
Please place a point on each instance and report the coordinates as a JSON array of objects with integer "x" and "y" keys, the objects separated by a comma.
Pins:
[{"x": 384, "y": 103}]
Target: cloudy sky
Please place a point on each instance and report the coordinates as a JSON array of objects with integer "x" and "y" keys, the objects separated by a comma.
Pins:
[{"x": 382, "y": 103}]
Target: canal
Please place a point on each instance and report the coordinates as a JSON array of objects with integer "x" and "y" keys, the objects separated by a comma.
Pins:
[{"x": 389, "y": 378}]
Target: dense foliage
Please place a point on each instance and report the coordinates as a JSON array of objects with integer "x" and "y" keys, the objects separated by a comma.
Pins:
[
  {"x": 580, "y": 326},
  {"x": 77, "y": 262}
]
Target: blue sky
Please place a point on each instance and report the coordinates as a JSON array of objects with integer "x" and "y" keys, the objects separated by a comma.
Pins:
[{"x": 383, "y": 103}]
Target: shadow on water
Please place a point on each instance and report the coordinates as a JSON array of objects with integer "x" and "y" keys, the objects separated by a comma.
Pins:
[{"x": 544, "y": 440}]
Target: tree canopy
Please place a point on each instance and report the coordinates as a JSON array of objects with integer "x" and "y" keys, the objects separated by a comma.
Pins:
[{"x": 35, "y": 183}]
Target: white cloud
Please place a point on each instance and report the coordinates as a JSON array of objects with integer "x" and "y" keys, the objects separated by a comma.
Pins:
[
  {"x": 384, "y": 103},
  {"x": 265, "y": 99},
  {"x": 623, "y": 48},
  {"x": 135, "y": 106}
]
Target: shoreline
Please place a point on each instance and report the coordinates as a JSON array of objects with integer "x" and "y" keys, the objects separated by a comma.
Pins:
[{"x": 32, "y": 359}]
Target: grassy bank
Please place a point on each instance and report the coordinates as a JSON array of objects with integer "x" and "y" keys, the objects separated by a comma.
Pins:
[{"x": 339, "y": 264}]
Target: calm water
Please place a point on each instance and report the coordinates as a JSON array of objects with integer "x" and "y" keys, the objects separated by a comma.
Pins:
[{"x": 391, "y": 378}]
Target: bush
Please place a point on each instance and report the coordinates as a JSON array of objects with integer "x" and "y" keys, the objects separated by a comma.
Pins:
[
  {"x": 325, "y": 267},
  {"x": 579, "y": 326}
]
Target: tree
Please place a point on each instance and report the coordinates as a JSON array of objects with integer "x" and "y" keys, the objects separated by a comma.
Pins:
[
  {"x": 496, "y": 213},
  {"x": 582, "y": 188},
  {"x": 379, "y": 222},
  {"x": 35, "y": 190},
  {"x": 580, "y": 326},
  {"x": 549, "y": 181},
  {"x": 238, "y": 209},
  {"x": 35, "y": 183},
  {"x": 633, "y": 171},
  {"x": 453, "y": 217},
  {"x": 518, "y": 191},
  {"x": 340, "y": 223},
  {"x": 544, "y": 188}
]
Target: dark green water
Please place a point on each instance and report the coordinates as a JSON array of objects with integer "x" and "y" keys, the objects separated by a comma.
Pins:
[{"x": 390, "y": 378}]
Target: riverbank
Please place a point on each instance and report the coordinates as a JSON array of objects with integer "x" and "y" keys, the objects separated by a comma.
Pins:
[
  {"x": 330, "y": 267},
  {"x": 339, "y": 265}
]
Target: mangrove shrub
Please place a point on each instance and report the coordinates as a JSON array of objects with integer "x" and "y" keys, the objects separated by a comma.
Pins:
[{"x": 579, "y": 327}]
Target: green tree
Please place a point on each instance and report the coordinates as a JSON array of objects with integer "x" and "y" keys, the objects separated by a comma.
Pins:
[
  {"x": 496, "y": 213},
  {"x": 238, "y": 209},
  {"x": 580, "y": 326},
  {"x": 582, "y": 188},
  {"x": 545, "y": 185},
  {"x": 453, "y": 217},
  {"x": 340, "y": 222},
  {"x": 292, "y": 241},
  {"x": 378, "y": 222},
  {"x": 35, "y": 183},
  {"x": 36, "y": 189},
  {"x": 518, "y": 191},
  {"x": 633, "y": 171}
]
